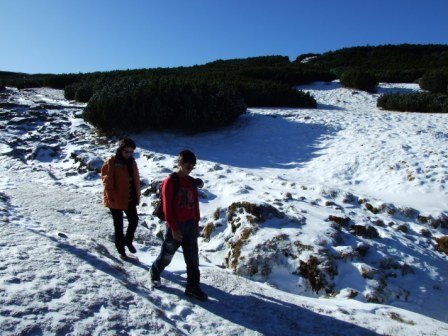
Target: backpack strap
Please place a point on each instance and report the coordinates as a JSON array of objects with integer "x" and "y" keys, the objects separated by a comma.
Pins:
[
  {"x": 192, "y": 181},
  {"x": 175, "y": 178},
  {"x": 176, "y": 183}
]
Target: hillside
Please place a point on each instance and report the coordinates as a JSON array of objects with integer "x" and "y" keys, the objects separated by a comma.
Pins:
[
  {"x": 316, "y": 221},
  {"x": 403, "y": 63}
]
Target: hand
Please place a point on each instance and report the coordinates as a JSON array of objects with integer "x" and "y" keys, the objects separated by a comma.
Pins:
[
  {"x": 177, "y": 235},
  {"x": 199, "y": 183}
]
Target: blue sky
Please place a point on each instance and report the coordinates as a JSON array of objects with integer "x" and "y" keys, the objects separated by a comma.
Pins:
[{"x": 72, "y": 36}]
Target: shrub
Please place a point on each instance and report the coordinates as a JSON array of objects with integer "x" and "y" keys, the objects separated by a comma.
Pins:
[
  {"x": 341, "y": 221},
  {"x": 360, "y": 80},
  {"x": 260, "y": 212},
  {"x": 397, "y": 76},
  {"x": 273, "y": 94},
  {"x": 70, "y": 92},
  {"x": 83, "y": 93},
  {"x": 435, "y": 81},
  {"x": 365, "y": 231},
  {"x": 260, "y": 81},
  {"x": 310, "y": 270},
  {"x": 404, "y": 63},
  {"x": 414, "y": 102},
  {"x": 208, "y": 230},
  {"x": 167, "y": 103},
  {"x": 442, "y": 244},
  {"x": 26, "y": 83},
  {"x": 59, "y": 81}
]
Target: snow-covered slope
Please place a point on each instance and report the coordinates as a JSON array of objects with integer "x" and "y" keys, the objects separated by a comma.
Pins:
[{"x": 322, "y": 221}]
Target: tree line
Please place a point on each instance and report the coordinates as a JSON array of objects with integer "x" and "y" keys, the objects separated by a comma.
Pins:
[{"x": 204, "y": 97}]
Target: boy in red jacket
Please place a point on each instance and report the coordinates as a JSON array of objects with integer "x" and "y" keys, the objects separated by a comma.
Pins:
[{"x": 182, "y": 218}]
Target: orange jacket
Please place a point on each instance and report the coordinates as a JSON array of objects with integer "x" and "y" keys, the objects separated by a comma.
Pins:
[{"x": 115, "y": 176}]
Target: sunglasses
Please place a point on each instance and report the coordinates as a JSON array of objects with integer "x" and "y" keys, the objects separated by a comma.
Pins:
[{"x": 128, "y": 151}]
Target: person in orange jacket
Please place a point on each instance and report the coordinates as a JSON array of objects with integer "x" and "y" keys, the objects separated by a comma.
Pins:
[{"x": 121, "y": 183}]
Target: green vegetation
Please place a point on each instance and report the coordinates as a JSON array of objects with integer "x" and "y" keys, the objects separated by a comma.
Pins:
[
  {"x": 414, "y": 102},
  {"x": 191, "y": 99},
  {"x": 404, "y": 63},
  {"x": 212, "y": 95},
  {"x": 435, "y": 81},
  {"x": 442, "y": 244},
  {"x": 360, "y": 80},
  {"x": 24, "y": 81},
  {"x": 166, "y": 103},
  {"x": 361, "y": 67}
]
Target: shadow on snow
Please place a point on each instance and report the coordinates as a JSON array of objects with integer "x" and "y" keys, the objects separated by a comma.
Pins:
[
  {"x": 254, "y": 141},
  {"x": 267, "y": 315}
]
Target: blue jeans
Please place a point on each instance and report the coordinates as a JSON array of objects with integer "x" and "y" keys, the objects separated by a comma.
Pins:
[{"x": 190, "y": 248}]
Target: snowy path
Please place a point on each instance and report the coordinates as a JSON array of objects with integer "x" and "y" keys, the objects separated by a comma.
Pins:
[
  {"x": 79, "y": 276},
  {"x": 60, "y": 274},
  {"x": 64, "y": 280}
]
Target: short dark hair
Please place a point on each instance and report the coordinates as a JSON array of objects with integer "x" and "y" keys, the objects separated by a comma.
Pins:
[
  {"x": 187, "y": 156},
  {"x": 126, "y": 142}
]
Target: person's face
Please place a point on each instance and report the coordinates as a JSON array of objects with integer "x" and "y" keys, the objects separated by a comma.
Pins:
[
  {"x": 186, "y": 167},
  {"x": 127, "y": 152}
]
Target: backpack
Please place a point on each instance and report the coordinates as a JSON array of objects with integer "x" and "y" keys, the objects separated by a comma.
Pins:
[{"x": 158, "y": 208}]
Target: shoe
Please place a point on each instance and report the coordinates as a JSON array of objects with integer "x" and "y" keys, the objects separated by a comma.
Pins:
[
  {"x": 155, "y": 280},
  {"x": 196, "y": 292},
  {"x": 156, "y": 283},
  {"x": 122, "y": 253},
  {"x": 131, "y": 248},
  {"x": 123, "y": 256}
]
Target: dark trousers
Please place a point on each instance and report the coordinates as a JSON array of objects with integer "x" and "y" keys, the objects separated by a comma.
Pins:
[
  {"x": 189, "y": 245},
  {"x": 120, "y": 239}
]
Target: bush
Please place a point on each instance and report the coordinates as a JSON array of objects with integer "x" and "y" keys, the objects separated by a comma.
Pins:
[
  {"x": 397, "y": 76},
  {"x": 59, "y": 81},
  {"x": 414, "y": 102},
  {"x": 442, "y": 244},
  {"x": 26, "y": 83},
  {"x": 360, "y": 80},
  {"x": 435, "y": 81},
  {"x": 167, "y": 103},
  {"x": 273, "y": 94},
  {"x": 404, "y": 63},
  {"x": 83, "y": 93},
  {"x": 70, "y": 92}
]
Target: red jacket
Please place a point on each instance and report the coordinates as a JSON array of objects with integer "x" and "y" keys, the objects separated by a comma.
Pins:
[
  {"x": 115, "y": 176},
  {"x": 186, "y": 202}
]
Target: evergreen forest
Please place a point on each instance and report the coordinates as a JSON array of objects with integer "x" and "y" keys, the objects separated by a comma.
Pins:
[{"x": 205, "y": 97}]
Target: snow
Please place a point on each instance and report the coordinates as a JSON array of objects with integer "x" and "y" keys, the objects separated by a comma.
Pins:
[{"x": 60, "y": 273}]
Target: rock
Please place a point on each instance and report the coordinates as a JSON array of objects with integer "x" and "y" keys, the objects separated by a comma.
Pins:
[
  {"x": 43, "y": 151},
  {"x": 92, "y": 163},
  {"x": 5, "y": 149}
]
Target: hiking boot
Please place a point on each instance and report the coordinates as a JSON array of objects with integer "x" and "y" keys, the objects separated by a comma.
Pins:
[
  {"x": 122, "y": 253},
  {"x": 155, "y": 280},
  {"x": 196, "y": 292},
  {"x": 131, "y": 248},
  {"x": 156, "y": 283}
]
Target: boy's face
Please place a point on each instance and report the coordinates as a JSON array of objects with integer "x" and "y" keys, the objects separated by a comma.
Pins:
[{"x": 186, "y": 167}]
